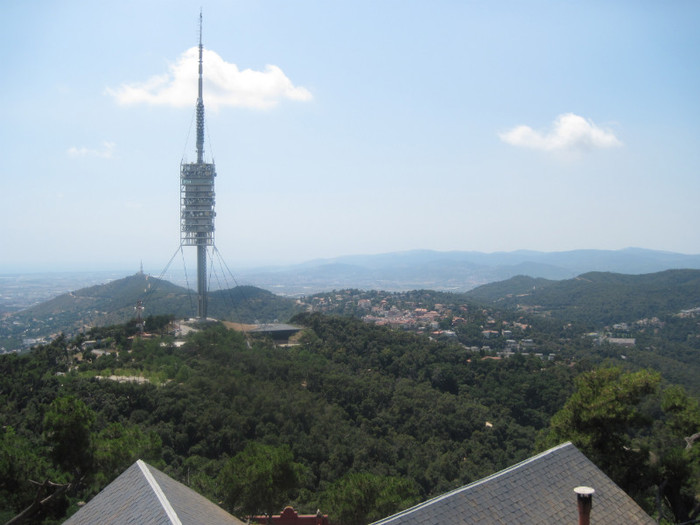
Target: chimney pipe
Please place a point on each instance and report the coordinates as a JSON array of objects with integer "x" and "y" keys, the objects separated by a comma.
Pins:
[{"x": 584, "y": 495}]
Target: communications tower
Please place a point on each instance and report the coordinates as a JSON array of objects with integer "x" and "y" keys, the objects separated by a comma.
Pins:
[{"x": 197, "y": 200}]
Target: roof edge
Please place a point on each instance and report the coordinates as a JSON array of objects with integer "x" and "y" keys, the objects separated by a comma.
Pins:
[
  {"x": 474, "y": 483},
  {"x": 172, "y": 515}
]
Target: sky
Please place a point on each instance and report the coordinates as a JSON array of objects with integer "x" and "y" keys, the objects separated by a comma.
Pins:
[{"x": 348, "y": 127}]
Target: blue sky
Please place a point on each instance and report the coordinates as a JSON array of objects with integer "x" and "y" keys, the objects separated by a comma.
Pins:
[{"x": 348, "y": 127}]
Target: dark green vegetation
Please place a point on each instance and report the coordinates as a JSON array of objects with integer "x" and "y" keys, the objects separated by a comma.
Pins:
[
  {"x": 115, "y": 302},
  {"x": 351, "y": 406},
  {"x": 322, "y": 425}
]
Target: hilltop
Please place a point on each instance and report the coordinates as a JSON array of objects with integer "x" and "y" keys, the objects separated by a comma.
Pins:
[{"x": 115, "y": 302}]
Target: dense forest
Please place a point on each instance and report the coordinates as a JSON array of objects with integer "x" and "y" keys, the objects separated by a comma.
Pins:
[{"x": 355, "y": 419}]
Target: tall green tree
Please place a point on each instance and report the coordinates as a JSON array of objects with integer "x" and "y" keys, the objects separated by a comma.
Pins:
[
  {"x": 68, "y": 425},
  {"x": 20, "y": 462},
  {"x": 677, "y": 452},
  {"x": 260, "y": 479},
  {"x": 600, "y": 418},
  {"x": 118, "y": 445},
  {"x": 645, "y": 439},
  {"x": 362, "y": 497}
]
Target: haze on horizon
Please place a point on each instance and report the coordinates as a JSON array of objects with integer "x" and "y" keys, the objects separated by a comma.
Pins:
[{"x": 349, "y": 128}]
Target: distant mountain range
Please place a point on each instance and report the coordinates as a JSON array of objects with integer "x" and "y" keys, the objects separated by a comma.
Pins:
[{"x": 456, "y": 271}]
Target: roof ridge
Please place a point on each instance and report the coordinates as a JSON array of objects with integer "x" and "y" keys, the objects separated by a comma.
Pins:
[
  {"x": 475, "y": 483},
  {"x": 172, "y": 515}
]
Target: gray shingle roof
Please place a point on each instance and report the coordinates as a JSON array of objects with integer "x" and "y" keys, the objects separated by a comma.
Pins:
[
  {"x": 537, "y": 491},
  {"x": 144, "y": 495}
]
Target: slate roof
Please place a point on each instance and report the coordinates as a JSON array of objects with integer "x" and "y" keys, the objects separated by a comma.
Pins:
[
  {"x": 143, "y": 495},
  {"x": 537, "y": 491}
]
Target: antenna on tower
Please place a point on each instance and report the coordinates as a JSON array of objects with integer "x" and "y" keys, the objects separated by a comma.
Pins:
[
  {"x": 139, "y": 316},
  {"x": 200, "y": 101}
]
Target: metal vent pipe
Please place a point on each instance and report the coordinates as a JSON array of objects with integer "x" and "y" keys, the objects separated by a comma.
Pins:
[{"x": 584, "y": 495}]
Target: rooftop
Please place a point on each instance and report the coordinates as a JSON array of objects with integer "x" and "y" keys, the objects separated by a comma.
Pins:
[
  {"x": 539, "y": 490},
  {"x": 144, "y": 495}
]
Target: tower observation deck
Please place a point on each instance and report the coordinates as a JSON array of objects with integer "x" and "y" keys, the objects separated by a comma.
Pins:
[{"x": 197, "y": 200}]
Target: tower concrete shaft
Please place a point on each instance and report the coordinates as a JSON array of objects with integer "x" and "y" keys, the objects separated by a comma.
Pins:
[{"x": 202, "y": 299}]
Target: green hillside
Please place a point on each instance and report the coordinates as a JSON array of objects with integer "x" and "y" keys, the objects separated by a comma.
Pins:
[
  {"x": 115, "y": 302},
  {"x": 598, "y": 298}
]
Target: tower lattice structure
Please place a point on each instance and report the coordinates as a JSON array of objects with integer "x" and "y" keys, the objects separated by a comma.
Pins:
[{"x": 197, "y": 200}]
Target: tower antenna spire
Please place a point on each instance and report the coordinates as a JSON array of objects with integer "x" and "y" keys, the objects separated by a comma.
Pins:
[{"x": 200, "y": 101}]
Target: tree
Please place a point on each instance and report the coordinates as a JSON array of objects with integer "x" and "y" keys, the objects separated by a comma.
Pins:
[
  {"x": 677, "y": 448},
  {"x": 640, "y": 437},
  {"x": 119, "y": 445},
  {"x": 20, "y": 462},
  {"x": 601, "y": 415},
  {"x": 68, "y": 425},
  {"x": 260, "y": 479},
  {"x": 361, "y": 497}
]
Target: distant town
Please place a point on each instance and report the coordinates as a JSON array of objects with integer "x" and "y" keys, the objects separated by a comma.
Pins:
[{"x": 500, "y": 337}]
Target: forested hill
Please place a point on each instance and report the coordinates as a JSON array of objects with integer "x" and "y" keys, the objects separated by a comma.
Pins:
[
  {"x": 115, "y": 302},
  {"x": 598, "y": 298},
  {"x": 358, "y": 420},
  {"x": 355, "y": 405}
]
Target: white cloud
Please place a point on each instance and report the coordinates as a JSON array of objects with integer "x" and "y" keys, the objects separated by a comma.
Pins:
[
  {"x": 568, "y": 132},
  {"x": 106, "y": 152},
  {"x": 224, "y": 85}
]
